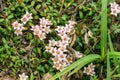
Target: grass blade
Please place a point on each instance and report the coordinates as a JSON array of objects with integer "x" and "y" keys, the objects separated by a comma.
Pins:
[
  {"x": 117, "y": 54},
  {"x": 115, "y": 59},
  {"x": 103, "y": 28},
  {"x": 108, "y": 68}
]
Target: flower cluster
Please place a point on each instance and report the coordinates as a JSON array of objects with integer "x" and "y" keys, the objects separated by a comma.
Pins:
[
  {"x": 18, "y": 27},
  {"x": 23, "y": 76},
  {"x": 115, "y": 8},
  {"x": 89, "y": 70},
  {"x": 58, "y": 48},
  {"x": 41, "y": 30}
]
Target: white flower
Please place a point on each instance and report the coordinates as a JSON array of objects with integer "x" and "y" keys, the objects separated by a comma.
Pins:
[
  {"x": 48, "y": 48},
  {"x": 62, "y": 48},
  {"x": 34, "y": 28},
  {"x": 45, "y": 22},
  {"x": 65, "y": 38},
  {"x": 115, "y": 8},
  {"x": 60, "y": 29},
  {"x": 91, "y": 66},
  {"x": 47, "y": 29},
  {"x": 113, "y": 5},
  {"x": 23, "y": 76},
  {"x": 15, "y": 24},
  {"x": 55, "y": 60},
  {"x": 24, "y": 19},
  {"x": 28, "y": 15},
  {"x": 68, "y": 28},
  {"x": 41, "y": 35},
  {"x": 63, "y": 44},
  {"x": 57, "y": 52},
  {"x": 57, "y": 66},
  {"x": 62, "y": 57},
  {"x": 114, "y": 12},
  {"x": 89, "y": 70},
  {"x": 52, "y": 42},
  {"x": 18, "y": 32}
]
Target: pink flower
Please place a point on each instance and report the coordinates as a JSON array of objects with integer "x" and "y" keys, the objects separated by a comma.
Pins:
[
  {"x": 24, "y": 19},
  {"x": 63, "y": 44},
  {"x": 28, "y": 15},
  {"x": 35, "y": 28},
  {"x": 41, "y": 35},
  {"x": 52, "y": 42},
  {"x": 47, "y": 29},
  {"x": 15, "y": 24},
  {"x": 68, "y": 28},
  {"x": 45, "y": 22},
  {"x": 55, "y": 60},
  {"x": 60, "y": 29},
  {"x": 89, "y": 70},
  {"x": 18, "y": 32},
  {"x": 62, "y": 57},
  {"x": 113, "y": 5},
  {"x": 57, "y": 66},
  {"x": 115, "y": 8},
  {"x": 62, "y": 48},
  {"x": 65, "y": 38}
]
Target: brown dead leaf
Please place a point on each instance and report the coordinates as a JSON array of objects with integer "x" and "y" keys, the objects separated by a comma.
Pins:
[
  {"x": 47, "y": 76},
  {"x": 7, "y": 78}
]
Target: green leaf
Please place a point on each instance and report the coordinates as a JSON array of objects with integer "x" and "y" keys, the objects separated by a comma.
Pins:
[
  {"x": 116, "y": 76},
  {"x": 81, "y": 14},
  {"x": 1, "y": 20},
  {"x": 31, "y": 76},
  {"x": 37, "y": 7},
  {"x": 32, "y": 3},
  {"x": 39, "y": 0},
  {"x": 117, "y": 54},
  {"x": 103, "y": 28},
  {"x": 79, "y": 63},
  {"x": 108, "y": 68}
]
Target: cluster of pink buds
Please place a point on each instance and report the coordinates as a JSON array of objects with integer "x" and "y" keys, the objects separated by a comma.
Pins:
[
  {"x": 58, "y": 48},
  {"x": 41, "y": 30},
  {"x": 89, "y": 70},
  {"x": 115, "y": 8},
  {"x": 18, "y": 27}
]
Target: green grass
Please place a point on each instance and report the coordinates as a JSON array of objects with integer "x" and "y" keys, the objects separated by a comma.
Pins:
[{"x": 103, "y": 28}]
